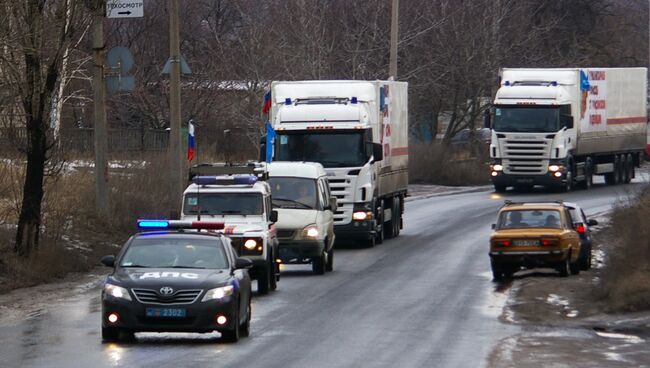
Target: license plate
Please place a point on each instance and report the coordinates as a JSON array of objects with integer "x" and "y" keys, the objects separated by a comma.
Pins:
[
  {"x": 524, "y": 180},
  {"x": 526, "y": 243},
  {"x": 166, "y": 312}
]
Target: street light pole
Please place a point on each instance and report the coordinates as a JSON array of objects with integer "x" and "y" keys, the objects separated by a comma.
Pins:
[
  {"x": 175, "y": 151},
  {"x": 99, "y": 95}
]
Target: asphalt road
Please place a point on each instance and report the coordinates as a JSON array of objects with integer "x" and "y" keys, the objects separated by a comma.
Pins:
[{"x": 424, "y": 299}]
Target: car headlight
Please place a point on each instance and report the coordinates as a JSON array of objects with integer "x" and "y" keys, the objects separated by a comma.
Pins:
[
  {"x": 219, "y": 293},
  {"x": 250, "y": 244},
  {"x": 117, "y": 292},
  {"x": 310, "y": 231}
]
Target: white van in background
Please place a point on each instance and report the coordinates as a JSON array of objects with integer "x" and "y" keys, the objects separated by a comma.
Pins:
[{"x": 305, "y": 228}]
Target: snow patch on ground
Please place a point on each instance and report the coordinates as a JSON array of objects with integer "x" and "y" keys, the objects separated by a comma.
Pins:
[{"x": 628, "y": 338}]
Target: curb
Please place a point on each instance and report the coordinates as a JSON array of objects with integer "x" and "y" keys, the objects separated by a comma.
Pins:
[{"x": 483, "y": 188}]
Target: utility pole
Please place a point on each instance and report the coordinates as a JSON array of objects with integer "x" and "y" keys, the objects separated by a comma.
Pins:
[
  {"x": 99, "y": 92},
  {"x": 175, "y": 151},
  {"x": 393, "y": 41}
]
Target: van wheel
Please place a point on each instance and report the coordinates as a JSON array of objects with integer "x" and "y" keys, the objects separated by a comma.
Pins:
[
  {"x": 318, "y": 264},
  {"x": 273, "y": 281},
  {"x": 110, "y": 334},
  {"x": 330, "y": 260}
]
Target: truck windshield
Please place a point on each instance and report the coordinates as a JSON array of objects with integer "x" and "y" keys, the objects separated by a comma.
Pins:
[
  {"x": 291, "y": 192},
  {"x": 527, "y": 119},
  {"x": 223, "y": 204},
  {"x": 329, "y": 149}
]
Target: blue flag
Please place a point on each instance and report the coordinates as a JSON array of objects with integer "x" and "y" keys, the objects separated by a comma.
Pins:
[
  {"x": 584, "y": 81},
  {"x": 270, "y": 139}
]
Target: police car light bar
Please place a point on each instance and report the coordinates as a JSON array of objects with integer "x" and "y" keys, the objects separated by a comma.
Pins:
[{"x": 180, "y": 224}]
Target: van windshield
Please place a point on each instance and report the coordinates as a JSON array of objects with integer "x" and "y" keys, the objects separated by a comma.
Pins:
[
  {"x": 291, "y": 192},
  {"x": 223, "y": 204}
]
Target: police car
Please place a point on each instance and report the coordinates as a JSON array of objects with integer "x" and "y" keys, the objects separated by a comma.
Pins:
[{"x": 170, "y": 280}]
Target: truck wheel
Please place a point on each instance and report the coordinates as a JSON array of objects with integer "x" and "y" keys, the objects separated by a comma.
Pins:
[
  {"x": 629, "y": 168},
  {"x": 500, "y": 188},
  {"x": 369, "y": 243},
  {"x": 612, "y": 177},
  {"x": 589, "y": 174},
  {"x": 110, "y": 334},
  {"x": 263, "y": 281},
  {"x": 318, "y": 264},
  {"x": 397, "y": 222},
  {"x": 389, "y": 226},
  {"x": 566, "y": 187}
]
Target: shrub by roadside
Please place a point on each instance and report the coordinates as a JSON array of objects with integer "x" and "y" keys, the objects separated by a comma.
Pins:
[
  {"x": 626, "y": 281},
  {"x": 439, "y": 164}
]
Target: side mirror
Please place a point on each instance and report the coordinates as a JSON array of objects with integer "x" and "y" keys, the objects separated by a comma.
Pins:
[
  {"x": 263, "y": 150},
  {"x": 591, "y": 222},
  {"x": 333, "y": 204},
  {"x": 377, "y": 152},
  {"x": 274, "y": 216},
  {"x": 487, "y": 119},
  {"x": 108, "y": 261},
  {"x": 494, "y": 226},
  {"x": 243, "y": 263}
]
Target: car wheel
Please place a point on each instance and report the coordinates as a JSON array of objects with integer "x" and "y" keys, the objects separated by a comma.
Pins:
[
  {"x": 497, "y": 272},
  {"x": 500, "y": 188},
  {"x": 245, "y": 328},
  {"x": 232, "y": 335},
  {"x": 574, "y": 267},
  {"x": 110, "y": 334},
  {"x": 563, "y": 267},
  {"x": 318, "y": 264},
  {"x": 273, "y": 281},
  {"x": 585, "y": 261},
  {"x": 330, "y": 260},
  {"x": 263, "y": 281}
]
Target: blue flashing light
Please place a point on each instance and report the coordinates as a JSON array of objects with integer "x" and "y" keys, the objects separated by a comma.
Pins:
[
  {"x": 506, "y": 83},
  {"x": 204, "y": 180},
  {"x": 287, "y": 101},
  {"x": 554, "y": 83},
  {"x": 153, "y": 224},
  {"x": 354, "y": 100},
  {"x": 245, "y": 179}
]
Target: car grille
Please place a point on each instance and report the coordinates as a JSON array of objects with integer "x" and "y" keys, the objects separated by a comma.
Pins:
[
  {"x": 147, "y": 296},
  {"x": 286, "y": 234}
]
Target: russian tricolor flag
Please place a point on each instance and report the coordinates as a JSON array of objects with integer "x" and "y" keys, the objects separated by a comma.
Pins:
[
  {"x": 267, "y": 102},
  {"x": 191, "y": 143}
]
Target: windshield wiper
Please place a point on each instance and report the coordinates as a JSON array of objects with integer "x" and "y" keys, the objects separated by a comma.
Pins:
[
  {"x": 293, "y": 201},
  {"x": 230, "y": 212},
  {"x": 135, "y": 266},
  {"x": 192, "y": 267}
]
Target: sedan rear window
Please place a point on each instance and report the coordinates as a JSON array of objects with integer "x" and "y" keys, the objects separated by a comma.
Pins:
[
  {"x": 161, "y": 252},
  {"x": 518, "y": 219}
]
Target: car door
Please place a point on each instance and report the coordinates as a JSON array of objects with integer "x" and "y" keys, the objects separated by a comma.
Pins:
[{"x": 328, "y": 213}]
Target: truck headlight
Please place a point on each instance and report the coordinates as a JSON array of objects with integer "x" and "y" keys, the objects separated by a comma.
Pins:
[
  {"x": 219, "y": 293},
  {"x": 310, "y": 231},
  {"x": 497, "y": 167},
  {"x": 117, "y": 292},
  {"x": 555, "y": 168},
  {"x": 362, "y": 215}
]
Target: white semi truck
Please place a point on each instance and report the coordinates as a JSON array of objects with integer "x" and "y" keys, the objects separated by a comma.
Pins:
[
  {"x": 560, "y": 127},
  {"x": 358, "y": 130}
]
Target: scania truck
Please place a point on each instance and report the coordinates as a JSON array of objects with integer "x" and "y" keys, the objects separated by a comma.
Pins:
[
  {"x": 560, "y": 127},
  {"x": 358, "y": 131}
]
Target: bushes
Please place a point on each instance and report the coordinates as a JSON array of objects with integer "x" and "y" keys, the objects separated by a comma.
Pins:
[
  {"x": 445, "y": 165},
  {"x": 627, "y": 275}
]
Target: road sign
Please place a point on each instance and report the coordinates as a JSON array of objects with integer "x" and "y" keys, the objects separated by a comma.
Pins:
[
  {"x": 119, "y": 63},
  {"x": 124, "y": 8}
]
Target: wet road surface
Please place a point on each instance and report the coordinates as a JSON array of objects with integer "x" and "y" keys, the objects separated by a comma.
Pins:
[{"x": 424, "y": 299}]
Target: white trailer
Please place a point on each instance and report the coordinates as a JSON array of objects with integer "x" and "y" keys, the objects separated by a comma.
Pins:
[
  {"x": 559, "y": 127},
  {"x": 358, "y": 130}
]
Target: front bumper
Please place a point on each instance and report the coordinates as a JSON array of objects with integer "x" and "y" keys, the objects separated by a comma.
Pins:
[
  {"x": 300, "y": 251},
  {"x": 543, "y": 179},
  {"x": 200, "y": 316},
  {"x": 358, "y": 230}
]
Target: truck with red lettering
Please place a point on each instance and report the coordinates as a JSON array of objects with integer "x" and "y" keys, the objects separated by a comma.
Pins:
[
  {"x": 560, "y": 127},
  {"x": 358, "y": 131}
]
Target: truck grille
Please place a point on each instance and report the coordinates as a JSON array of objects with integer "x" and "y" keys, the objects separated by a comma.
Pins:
[
  {"x": 525, "y": 157},
  {"x": 342, "y": 189},
  {"x": 148, "y": 296}
]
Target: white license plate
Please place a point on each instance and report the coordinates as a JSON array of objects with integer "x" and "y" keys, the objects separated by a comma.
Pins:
[{"x": 526, "y": 243}]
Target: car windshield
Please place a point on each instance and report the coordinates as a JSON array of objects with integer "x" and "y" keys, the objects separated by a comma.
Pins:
[
  {"x": 518, "y": 219},
  {"x": 223, "y": 203},
  {"x": 329, "y": 149},
  {"x": 161, "y": 252},
  {"x": 526, "y": 119},
  {"x": 288, "y": 192}
]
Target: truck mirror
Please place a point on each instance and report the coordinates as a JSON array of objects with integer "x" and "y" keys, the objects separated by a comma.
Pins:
[
  {"x": 274, "y": 216},
  {"x": 567, "y": 121},
  {"x": 333, "y": 205},
  {"x": 263, "y": 149},
  {"x": 377, "y": 152},
  {"x": 487, "y": 118}
]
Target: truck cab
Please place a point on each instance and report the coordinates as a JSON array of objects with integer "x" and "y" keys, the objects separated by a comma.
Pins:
[
  {"x": 305, "y": 205},
  {"x": 242, "y": 200}
]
